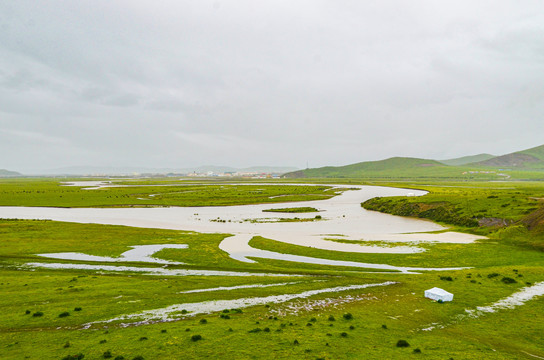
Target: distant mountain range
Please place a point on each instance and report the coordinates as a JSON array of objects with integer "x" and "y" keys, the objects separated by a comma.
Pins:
[
  {"x": 484, "y": 165},
  {"x": 7, "y": 173}
]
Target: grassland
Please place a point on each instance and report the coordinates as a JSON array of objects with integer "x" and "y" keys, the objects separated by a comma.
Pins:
[
  {"x": 50, "y": 192},
  {"x": 300, "y": 329}
]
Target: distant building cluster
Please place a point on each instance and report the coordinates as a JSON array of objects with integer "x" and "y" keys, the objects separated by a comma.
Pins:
[{"x": 247, "y": 175}]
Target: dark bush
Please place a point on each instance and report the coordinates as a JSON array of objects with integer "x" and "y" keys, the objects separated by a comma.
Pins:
[
  {"x": 37, "y": 314},
  {"x": 196, "y": 337},
  {"x": 203, "y": 321},
  {"x": 74, "y": 357},
  {"x": 184, "y": 311},
  {"x": 508, "y": 280},
  {"x": 309, "y": 324},
  {"x": 77, "y": 309},
  {"x": 295, "y": 342},
  {"x": 331, "y": 318},
  {"x": 143, "y": 338},
  {"x": 417, "y": 351},
  {"x": 266, "y": 329},
  {"x": 226, "y": 311},
  {"x": 347, "y": 316},
  {"x": 256, "y": 330},
  {"x": 352, "y": 327},
  {"x": 402, "y": 343},
  {"x": 103, "y": 341},
  {"x": 446, "y": 278},
  {"x": 66, "y": 345},
  {"x": 492, "y": 275},
  {"x": 163, "y": 331},
  {"x": 107, "y": 354},
  {"x": 384, "y": 326},
  {"x": 344, "y": 334},
  {"x": 224, "y": 316},
  {"x": 139, "y": 357},
  {"x": 64, "y": 314},
  {"x": 27, "y": 312},
  {"x": 313, "y": 319}
]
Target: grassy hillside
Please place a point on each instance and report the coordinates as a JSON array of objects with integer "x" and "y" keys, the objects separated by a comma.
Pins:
[
  {"x": 467, "y": 159},
  {"x": 384, "y": 168},
  {"x": 530, "y": 159}
]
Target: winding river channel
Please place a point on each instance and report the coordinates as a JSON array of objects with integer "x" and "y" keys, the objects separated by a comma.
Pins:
[{"x": 343, "y": 218}]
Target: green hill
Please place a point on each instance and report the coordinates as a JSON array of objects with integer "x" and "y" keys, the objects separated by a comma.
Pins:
[
  {"x": 530, "y": 159},
  {"x": 467, "y": 159},
  {"x": 390, "y": 168},
  {"x": 7, "y": 173}
]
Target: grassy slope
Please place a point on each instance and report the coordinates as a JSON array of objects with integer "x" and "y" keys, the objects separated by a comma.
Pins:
[{"x": 467, "y": 159}]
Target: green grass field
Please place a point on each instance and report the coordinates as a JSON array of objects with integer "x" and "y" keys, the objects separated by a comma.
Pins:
[{"x": 311, "y": 328}]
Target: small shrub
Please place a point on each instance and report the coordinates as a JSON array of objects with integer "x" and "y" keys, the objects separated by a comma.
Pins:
[
  {"x": 309, "y": 324},
  {"x": 347, "y": 316},
  {"x": 163, "y": 331},
  {"x": 331, "y": 318},
  {"x": 103, "y": 341},
  {"x": 37, "y": 314},
  {"x": 230, "y": 330},
  {"x": 402, "y": 343},
  {"x": 226, "y": 311},
  {"x": 107, "y": 354},
  {"x": 187, "y": 329},
  {"x": 492, "y": 275},
  {"x": 266, "y": 329},
  {"x": 184, "y": 311},
  {"x": 139, "y": 357},
  {"x": 224, "y": 316},
  {"x": 344, "y": 334},
  {"x": 143, "y": 338},
  {"x": 417, "y": 351},
  {"x": 295, "y": 342},
  {"x": 508, "y": 280},
  {"x": 27, "y": 312},
  {"x": 64, "y": 314},
  {"x": 318, "y": 217},
  {"x": 313, "y": 319},
  {"x": 256, "y": 330},
  {"x": 352, "y": 327},
  {"x": 196, "y": 337},
  {"x": 446, "y": 278},
  {"x": 74, "y": 357},
  {"x": 77, "y": 309},
  {"x": 384, "y": 326},
  {"x": 203, "y": 321},
  {"x": 119, "y": 357},
  {"x": 66, "y": 345}
]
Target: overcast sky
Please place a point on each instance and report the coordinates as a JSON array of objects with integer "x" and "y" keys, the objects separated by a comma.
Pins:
[{"x": 244, "y": 82}]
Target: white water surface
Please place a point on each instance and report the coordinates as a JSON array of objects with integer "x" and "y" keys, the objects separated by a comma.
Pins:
[
  {"x": 140, "y": 253},
  {"x": 149, "y": 271},
  {"x": 343, "y": 218},
  {"x": 174, "y": 311}
]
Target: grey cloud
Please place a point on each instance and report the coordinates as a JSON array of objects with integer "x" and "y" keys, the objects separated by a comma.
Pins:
[{"x": 321, "y": 81}]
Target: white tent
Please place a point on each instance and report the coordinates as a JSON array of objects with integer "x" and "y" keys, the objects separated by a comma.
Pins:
[{"x": 438, "y": 294}]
